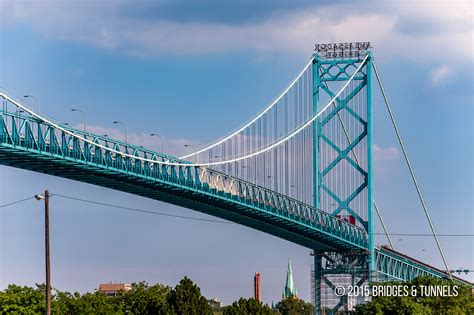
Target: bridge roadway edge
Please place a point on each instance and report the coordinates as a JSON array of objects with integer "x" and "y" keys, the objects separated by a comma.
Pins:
[{"x": 19, "y": 157}]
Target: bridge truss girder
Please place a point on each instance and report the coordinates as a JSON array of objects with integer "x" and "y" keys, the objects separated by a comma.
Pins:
[{"x": 29, "y": 143}]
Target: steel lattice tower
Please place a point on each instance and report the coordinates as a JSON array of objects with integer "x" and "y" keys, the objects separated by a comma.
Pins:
[{"x": 342, "y": 153}]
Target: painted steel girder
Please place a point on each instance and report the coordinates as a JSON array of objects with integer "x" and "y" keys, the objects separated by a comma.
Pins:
[
  {"x": 341, "y": 74},
  {"x": 256, "y": 206},
  {"x": 396, "y": 267}
]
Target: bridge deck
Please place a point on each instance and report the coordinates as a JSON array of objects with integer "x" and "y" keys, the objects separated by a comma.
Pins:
[
  {"x": 29, "y": 143},
  {"x": 396, "y": 266}
]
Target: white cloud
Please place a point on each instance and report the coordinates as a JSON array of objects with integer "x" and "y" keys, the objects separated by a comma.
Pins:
[
  {"x": 171, "y": 146},
  {"x": 388, "y": 154},
  {"x": 384, "y": 162},
  {"x": 438, "y": 75},
  {"x": 421, "y": 30}
]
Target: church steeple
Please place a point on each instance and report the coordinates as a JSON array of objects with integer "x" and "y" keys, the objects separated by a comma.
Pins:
[{"x": 289, "y": 291}]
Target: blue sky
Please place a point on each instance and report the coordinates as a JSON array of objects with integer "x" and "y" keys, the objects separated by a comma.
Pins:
[{"x": 195, "y": 71}]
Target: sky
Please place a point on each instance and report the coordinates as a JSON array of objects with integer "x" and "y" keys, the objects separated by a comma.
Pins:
[{"x": 194, "y": 71}]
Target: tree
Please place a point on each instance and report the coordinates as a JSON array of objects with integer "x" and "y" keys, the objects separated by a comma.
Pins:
[
  {"x": 23, "y": 300},
  {"x": 294, "y": 306},
  {"x": 87, "y": 303},
  {"x": 247, "y": 306},
  {"x": 145, "y": 299},
  {"x": 419, "y": 304},
  {"x": 186, "y": 298}
]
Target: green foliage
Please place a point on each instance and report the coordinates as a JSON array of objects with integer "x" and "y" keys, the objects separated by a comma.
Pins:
[
  {"x": 247, "y": 306},
  {"x": 456, "y": 305},
  {"x": 23, "y": 300},
  {"x": 142, "y": 299},
  {"x": 145, "y": 299},
  {"x": 294, "y": 306},
  {"x": 88, "y": 303},
  {"x": 186, "y": 298}
]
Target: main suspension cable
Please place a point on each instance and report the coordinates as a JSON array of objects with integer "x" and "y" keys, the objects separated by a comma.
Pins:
[
  {"x": 412, "y": 173},
  {"x": 254, "y": 119},
  {"x": 168, "y": 162}
]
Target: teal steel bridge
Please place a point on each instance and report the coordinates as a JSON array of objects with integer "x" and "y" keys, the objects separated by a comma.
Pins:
[
  {"x": 31, "y": 144},
  {"x": 300, "y": 170}
]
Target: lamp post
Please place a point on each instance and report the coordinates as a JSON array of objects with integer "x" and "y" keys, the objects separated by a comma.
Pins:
[
  {"x": 194, "y": 149},
  {"x": 83, "y": 117},
  {"x": 5, "y": 102},
  {"x": 402, "y": 243},
  {"x": 18, "y": 111},
  {"x": 161, "y": 139},
  {"x": 45, "y": 197},
  {"x": 124, "y": 127},
  {"x": 275, "y": 182},
  {"x": 36, "y": 100},
  {"x": 297, "y": 191}
]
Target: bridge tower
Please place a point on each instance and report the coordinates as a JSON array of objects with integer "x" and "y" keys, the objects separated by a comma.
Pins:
[{"x": 342, "y": 167}]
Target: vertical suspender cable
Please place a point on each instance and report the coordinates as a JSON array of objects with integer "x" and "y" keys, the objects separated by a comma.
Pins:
[
  {"x": 357, "y": 161},
  {"x": 383, "y": 224},
  {"x": 411, "y": 169}
]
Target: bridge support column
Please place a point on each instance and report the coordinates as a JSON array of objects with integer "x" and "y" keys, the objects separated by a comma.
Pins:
[
  {"x": 317, "y": 283},
  {"x": 335, "y": 271},
  {"x": 370, "y": 182}
]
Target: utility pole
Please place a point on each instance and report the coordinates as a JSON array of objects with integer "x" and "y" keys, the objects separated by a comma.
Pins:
[{"x": 46, "y": 247}]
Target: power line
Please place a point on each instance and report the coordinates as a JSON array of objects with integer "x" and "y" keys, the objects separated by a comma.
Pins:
[
  {"x": 15, "y": 202},
  {"x": 220, "y": 221},
  {"x": 422, "y": 234},
  {"x": 200, "y": 219},
  {"x": 140, "y": 210}
]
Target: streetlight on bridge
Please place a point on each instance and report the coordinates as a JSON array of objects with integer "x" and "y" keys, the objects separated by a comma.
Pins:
[
  {"x": 83, "y": 117},
  {"x": 161, "y": 138},
  {"x": 124, "y": 127},
  {"x": 297, "y": 191},
  {"x": 275, "y": 182},
  {"x": 36, "y": 101},
  {"x": 194, "y": 149}
]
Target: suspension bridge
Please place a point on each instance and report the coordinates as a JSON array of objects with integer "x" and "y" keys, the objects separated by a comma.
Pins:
[{"x": 301, "y": 170}]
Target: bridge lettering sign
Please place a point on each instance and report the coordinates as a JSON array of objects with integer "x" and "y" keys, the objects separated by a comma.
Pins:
[{"x": 342, "y": 50}]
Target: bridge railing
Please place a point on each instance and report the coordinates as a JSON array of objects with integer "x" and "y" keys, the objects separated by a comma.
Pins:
[
  {"x": 33, "y": 134},
  {"x": 394, "y": 266}
]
